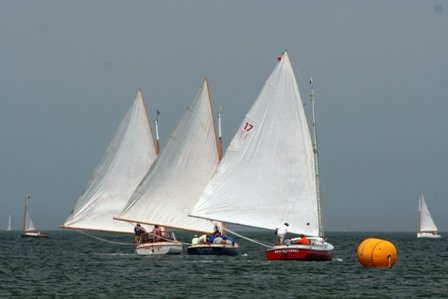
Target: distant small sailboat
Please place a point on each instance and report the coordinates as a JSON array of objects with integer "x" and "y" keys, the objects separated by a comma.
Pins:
[
  {"x": 9, "y": 224},
  {"x": 29, "y": 230},
  {"x": 428, "y": 228}
]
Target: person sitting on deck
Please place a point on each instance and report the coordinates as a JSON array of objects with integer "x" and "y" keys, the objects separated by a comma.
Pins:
[
  {"x": 157, "y": 233},
  {"x": 228, "y": 240},
  {"x": 203, "y": 239},
  {"x": 140, "y": 234},
  {"x": 195, "y": 240},
  {"x": 218, "y": 240},
  {"x": 303, "y": 240}
]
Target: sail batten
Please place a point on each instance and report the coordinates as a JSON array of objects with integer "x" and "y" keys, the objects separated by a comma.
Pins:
[
  {"x": 267, "y": 175},
  {"x": 171, "y": 187},
  {"x": 125, "y": 162}
]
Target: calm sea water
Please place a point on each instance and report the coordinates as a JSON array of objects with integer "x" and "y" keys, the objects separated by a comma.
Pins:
[{"x": 72, "y": 265}]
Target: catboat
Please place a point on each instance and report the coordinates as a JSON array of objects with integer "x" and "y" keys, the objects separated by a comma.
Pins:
[
  {"x": 428, "y": 228},
  {"x": 210, "y": 245},
  {"x": 128, "y": 157},
  {"x": 173, "y": 184},
  {"x": 29, "y": 230},
  {"x": 269, "y": 173},
  {"x": 168, "y": 244}
]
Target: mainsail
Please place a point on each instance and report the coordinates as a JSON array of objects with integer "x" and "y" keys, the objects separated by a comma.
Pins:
[
  {"x": 267, "y": 175},
  {"x": 28, "y": 224},
  {"x": 177, "y": 178},
  {"x": 426, "y": 222},
  {"x": 125, "y": 162}
]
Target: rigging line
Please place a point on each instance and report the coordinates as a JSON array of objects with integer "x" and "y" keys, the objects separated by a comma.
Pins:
[
  {"x": 302, "y": 82},
  {"x": 250, "y": 240},
  {"x": 104, "y": 240}
]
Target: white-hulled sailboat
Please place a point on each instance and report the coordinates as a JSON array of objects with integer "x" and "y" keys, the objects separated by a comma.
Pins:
[
  {"x": 428, "y": 228},
  {"x": 177, "y": 178},
  {"x": 124, "y": 164},
  {"x": 269, "y": 173},
  {"x": 29, "y": 230}
]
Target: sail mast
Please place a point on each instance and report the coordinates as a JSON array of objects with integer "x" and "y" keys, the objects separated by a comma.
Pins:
[
  {"x": 156, "y": 122},
  {"x": 316, "y": 158},
  {"x": 220, "y": 153},
  {"x": 25, "y": 211},
  {"x": 218, "y": 138},
  {"x": 420, "y": 212},
  {"x": 219, "y": 142}
]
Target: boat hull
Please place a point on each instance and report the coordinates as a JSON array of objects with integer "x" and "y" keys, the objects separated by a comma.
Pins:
[
  {"x": 429, "y": 235},
  {"x": 300, "y": 252},
  {"x": 159, "y": 248},
  {"x": 213, "y": 249},
  {"x": 34, "y": 235}
]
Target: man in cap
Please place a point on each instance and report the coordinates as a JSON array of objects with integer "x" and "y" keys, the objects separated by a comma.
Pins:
[{"x": 281, "y": 232}]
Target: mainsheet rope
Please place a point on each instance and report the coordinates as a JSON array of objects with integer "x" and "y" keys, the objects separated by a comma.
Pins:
[{"x": 104, "y": 240}]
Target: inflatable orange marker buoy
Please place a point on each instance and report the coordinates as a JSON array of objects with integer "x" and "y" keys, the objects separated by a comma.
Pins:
[{"x": 377, "y": 253}]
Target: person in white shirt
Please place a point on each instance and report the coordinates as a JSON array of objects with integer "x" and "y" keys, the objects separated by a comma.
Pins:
[{"x": 281, "y": 232}]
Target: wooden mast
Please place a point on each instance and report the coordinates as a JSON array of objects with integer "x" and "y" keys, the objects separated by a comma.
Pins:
[
  {"x": 316, "y": 158},
  {"x": 157, "y": 142}
]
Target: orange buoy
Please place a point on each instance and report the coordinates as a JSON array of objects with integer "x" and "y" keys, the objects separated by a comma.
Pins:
[{"x": 377, "y": 253}]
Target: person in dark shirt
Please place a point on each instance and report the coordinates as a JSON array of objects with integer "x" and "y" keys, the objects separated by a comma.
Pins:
[{"x": 140, "y": 234}]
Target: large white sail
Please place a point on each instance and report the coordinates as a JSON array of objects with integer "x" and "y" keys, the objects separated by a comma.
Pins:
[
  {"x": 9, "y": 223},
  {"x": 171, "y": 187},
  {"x": 426, "y": 222},
  {"x": 125, "y": 162},
  {"x": 28, "y": 224},
  {"x": 267, "y": 175}
]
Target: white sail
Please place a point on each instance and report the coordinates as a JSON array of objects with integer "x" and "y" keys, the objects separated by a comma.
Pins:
[
  {"x": 125, "y": 162},
  {"x": 9, "y": 223},
  {"x": 426, "y": 222},
  {"x": 177, "y": 178},
  {"x": 267, "y": 175},
  {"x": 28, "y": 224}
]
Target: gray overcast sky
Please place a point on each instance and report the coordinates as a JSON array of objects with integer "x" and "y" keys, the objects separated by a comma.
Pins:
[{"x": 70, "y": 69}]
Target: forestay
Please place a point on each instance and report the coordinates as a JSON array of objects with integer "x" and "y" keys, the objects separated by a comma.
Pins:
[
  {"x": 172, "y": 186},
  {"x": 125, "y": 162},
  {"x": 267, "y": 175}
]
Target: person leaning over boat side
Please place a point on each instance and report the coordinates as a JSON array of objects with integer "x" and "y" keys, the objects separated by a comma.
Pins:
[
  {"x": 140, "y": 233},
  {"x": 157, "y": 233},
  {"x": 281, "y": 232},
  {"x": 303, "y": 240}
]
